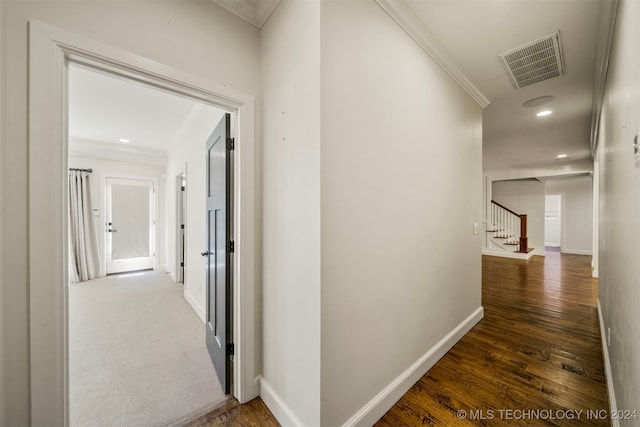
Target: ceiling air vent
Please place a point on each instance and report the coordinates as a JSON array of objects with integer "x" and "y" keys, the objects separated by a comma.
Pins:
[{"x": 534, "y": 62}]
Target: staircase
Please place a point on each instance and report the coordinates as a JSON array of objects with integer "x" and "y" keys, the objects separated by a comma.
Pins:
[{"x": 507, "y": 231}]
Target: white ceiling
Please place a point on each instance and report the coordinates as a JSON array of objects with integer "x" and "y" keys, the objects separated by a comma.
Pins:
[
  {"x": 104, "y": 108},
  {"x": 474, "y": 32}
]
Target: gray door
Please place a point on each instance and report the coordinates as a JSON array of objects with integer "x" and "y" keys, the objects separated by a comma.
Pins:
[
  {"x": 219, "y": 249},
  {"x": 180, "y": 227}
]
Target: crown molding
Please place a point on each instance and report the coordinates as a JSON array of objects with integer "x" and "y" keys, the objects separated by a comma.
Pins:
[
  {"x": 606, "y": 28},
  {"x": 400, "y": 11},
  {"x": 90, "y": 148},
  {"x": 255, "y": 12}
]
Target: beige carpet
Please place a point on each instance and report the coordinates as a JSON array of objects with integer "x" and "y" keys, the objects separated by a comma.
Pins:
[{"x": 137, "y": 354}]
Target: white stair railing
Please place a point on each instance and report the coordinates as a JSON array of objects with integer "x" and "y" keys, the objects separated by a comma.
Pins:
[{"x": 506, "y": 225}]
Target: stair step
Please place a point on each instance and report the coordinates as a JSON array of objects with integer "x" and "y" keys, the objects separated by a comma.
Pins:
[
  {"x": 492, "y": 231},
  {"x": 512, "y": 243}
]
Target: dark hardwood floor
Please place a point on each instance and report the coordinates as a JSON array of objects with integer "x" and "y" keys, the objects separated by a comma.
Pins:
[
  {"x": 534, "y": 359},
  {"x": 231, "y": 413}
]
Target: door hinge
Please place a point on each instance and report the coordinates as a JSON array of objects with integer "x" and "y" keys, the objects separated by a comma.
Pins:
[
  {"x": 182, "y": 226},
  {"x": 231, "y": 246},
  {"x": 230, "y": 349},
  {"x": 182, "y": 188},
  {"x": 231, "y": 144},
  {"x": 182, "y": 264}
]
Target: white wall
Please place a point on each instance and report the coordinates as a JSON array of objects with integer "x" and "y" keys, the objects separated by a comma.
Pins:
[
  {"x": 524, "y": 197},
  {"x": 188, "y": 155},
  {"x": 619, "y": 268},
  {"x": 290, "y": 51},
  {"x": 195, "y": 36},
  {"x": 401, "y": 188},
  {"x": 2, "y": 180},
  {"x": 577, "y": 212},
  {"x": 103, "y": 169}
]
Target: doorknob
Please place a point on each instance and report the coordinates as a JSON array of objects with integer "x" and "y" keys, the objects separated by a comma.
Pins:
[{"x": 206, "y": 253}]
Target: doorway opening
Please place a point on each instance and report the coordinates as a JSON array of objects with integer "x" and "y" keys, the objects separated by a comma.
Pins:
[
  {"x": 553, "y": 222},
  {"x": 50, "y": 51},
  {"x": 133, "y": 327}
]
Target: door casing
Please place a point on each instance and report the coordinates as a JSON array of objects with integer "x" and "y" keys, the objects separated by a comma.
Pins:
[{"x": 50, "y": 51}]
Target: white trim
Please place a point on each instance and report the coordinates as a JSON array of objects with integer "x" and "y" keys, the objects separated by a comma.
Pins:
[
  {"x": 577, "y": 252},
  {"x": 611, "y": 393},
  {"x": 575, "y": 168},
  {"x": 192, "y": 302},
  {"x": 402, "y": 13},
  {"x": 277, "y": 406},
  {"x": 49, "y": 51},
  {"x": 594, "y": 274},
  {"x": 515, "y": 255},
  {"x": 383, "y": 401},
  {"x": 88, "y": 148},
  {"x": 606, "y": 29}
]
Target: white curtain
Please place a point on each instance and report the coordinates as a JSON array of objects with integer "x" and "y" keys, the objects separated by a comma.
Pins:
[{"x": 84, "y": 258}]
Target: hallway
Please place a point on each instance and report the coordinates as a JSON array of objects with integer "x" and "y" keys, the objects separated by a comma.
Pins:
[{"x": 537, "y": 348}]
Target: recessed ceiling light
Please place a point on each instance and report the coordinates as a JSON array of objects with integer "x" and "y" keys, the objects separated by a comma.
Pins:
[
  {"x": 124, "y": 140},
  {"x": 536, "y": 102},
  {"x": 544, "y": 113},
  {"x": 562, "y": 156}
]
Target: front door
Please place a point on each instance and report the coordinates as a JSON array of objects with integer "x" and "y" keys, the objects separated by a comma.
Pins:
[
  {"x": 219, "y": 250},
  {"x": 130, "y": 225}
]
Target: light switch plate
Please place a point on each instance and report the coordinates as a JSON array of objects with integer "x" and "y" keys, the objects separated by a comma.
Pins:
[{"x": 636, "y": 149}]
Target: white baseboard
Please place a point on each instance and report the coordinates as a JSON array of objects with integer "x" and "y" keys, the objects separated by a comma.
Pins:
[
  {"x": 384, "y": 400},
  {"x": 516, "y": 255},
  {"x": 576, "y": 252},
  {"x": 613, "y": 407},
  {"x": 192, "y": 302},
  {"x": 285, "y": 416}
]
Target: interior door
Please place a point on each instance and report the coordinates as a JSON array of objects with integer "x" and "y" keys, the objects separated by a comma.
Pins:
[
  {"x": 219, "y": 250},
  {"x": 180, "y": 227},
  {"x": 130, "y": 225}
]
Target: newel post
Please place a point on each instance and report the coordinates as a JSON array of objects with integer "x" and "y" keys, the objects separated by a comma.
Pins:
[{"x": 524, "y": 240}]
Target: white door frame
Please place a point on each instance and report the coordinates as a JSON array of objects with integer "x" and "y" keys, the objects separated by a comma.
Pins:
[{"x": 50, "y": 51}]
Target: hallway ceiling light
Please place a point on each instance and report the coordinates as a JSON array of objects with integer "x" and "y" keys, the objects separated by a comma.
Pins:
[
  {"x": 124, "y": 140},
  {"x": 544, "y": 113},
  {"x": 562, "y": 156}
]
